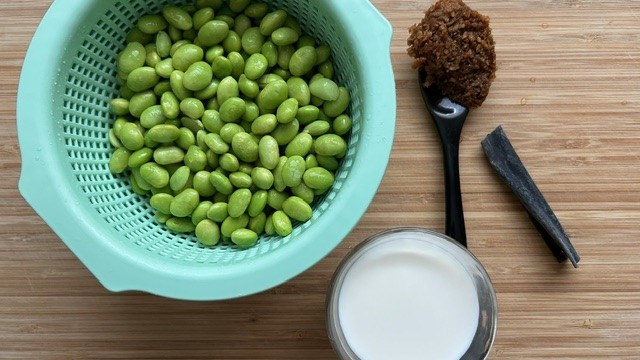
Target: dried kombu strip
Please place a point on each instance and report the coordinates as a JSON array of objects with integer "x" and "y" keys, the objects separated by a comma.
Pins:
[{"x": 506, "y": 162}]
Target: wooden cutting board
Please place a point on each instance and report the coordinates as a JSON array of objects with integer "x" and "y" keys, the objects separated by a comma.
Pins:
[{"x": 568, "y": 95}]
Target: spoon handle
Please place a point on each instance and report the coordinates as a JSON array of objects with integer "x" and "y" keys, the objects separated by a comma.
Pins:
[{"x": 453, "y": 197}]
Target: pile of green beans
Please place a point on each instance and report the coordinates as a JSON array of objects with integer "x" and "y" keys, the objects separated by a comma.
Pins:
[{"x": 229, "y": 117}]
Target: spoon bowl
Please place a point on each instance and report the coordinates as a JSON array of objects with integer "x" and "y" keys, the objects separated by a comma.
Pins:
[{"x": 449, "y": 118}]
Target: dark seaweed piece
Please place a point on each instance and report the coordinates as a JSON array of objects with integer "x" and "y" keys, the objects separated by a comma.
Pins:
[{"x": 506, "y": 162}]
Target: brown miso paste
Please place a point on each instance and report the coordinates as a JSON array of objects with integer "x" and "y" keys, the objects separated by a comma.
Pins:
[{"x": 454, "y": 45}]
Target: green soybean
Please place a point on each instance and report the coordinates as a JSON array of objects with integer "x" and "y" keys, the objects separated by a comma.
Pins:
[
  {"x": 142, "y": 78},
  {"x": 244, "y": 238},
  {"x": 131, "y": 137},
  {"x": 245, "y": 147},
  {"x": 132, "y": 57},
  {"x": 240, "y": 180},
  {"x": 255, "y": 66},
  {"x": 330, "y": 145},
  {"x": 229, "y": 162},
  {"x": 232, "y": 109},
  {"x": 272, "y": 21},
  {"x": 252, "y": 40},
  {"x": 264, "y": 124},
  {"x": 307, "y": 114},
  {"x": 284, "y": 133},
  {"x": 139, "y": 157},
  {"x": 198, "y": 76},
  {"x": 221, "y": 183},
  {"x": 161, "y": 202},
  {"x": 154, "y": 174},
  {"x": 284, "y": 36},
  {"x": 282, "y": 223},
  {"x": 170, "y": 105},
  {"x": 119, "y": 160},
  {"x": 287, "y": 111},
  {"x": 262, "y": 178},
  {"x": 293, "y": 170},
  {"x": 239, "y": 202},
  {"x": 208, "y": 232},
  {"x": 177, "y": 17},
  {"x": 231, "y": 224},
  {"x": 325, "y": 89},
  {"x": 318, "y": 178},
  {"x": 213, "y": 32},
  {"x": 342, "y": 124},
  {"x": 139, "y": 102},
  {"x": 300, "y": 145},
  {"x": 302, "y": 61},
  {"x": 297, "y": 209},
  {"x": 186, "y": 55},
  {"x": 165, "y": 155},
  {"x": 258, "y": 203},
  {"x": 227, "y": 88},
  {"x": 218, "y": 212},
  {"x": 180, "y": 225},
  {"x": 257, "y": 223},
  {"x": 179, "y": 178},
  {"x": 195, "y": 158},
  {"x": 184, "y": 203},
  {"x": 192, "y": 107},
  {"x": 338, "y": 106}
]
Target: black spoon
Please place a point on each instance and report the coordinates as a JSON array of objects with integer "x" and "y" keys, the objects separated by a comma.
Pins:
[{"x": 449, "y": 118}]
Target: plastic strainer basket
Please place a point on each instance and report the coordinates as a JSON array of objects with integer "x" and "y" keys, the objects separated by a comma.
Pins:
[{"x": 66, "y": 84}]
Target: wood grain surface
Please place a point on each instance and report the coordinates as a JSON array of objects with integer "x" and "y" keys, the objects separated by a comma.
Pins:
[{"x": 568, "y": 95}]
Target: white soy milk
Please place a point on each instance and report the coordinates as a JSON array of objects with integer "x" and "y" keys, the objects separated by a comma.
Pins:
[{"x": 408, "y": 299}]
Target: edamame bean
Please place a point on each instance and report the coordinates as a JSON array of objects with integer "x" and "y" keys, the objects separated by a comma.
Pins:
[
  {"x": 229, "y": 162},
  {"x": 213, "y": 32},
  {"x": 139, "y": 157},
  {"x": 318, "y": 178},
  {"x": 262, "y": 178},
  {"x": 302, "y": 61},
  {"x": 164, "y": 68},
  {"x": 152, "y": 116},
  {"x": 239, "y": 202},
  {"x": 166, "y": 155},
  {"x": 221, "y": 183},
  {"x": 330, "y": 145},
  {"x": 151, "y": 24},
  {"x": 268, "y": 152},
  {"x": 317, "y": 128},
  {"x": 170, "y": 105},
  {"x": 198, "y": 76},
  {"x": 255, "y": 66},
  {"x": 328, "y": 162},
  {"x": 132, "y": 57},
  {"x": 282, "y": 223},
  {"x": 180, "y": 225},
  {"x": 244, "y": 238},
  {"x": 297, "y": 209},
  {"x": 202, "y": 16},
  {"x": 231, "y": 224},
  {"x": 340, "y": 105},
  {"x": 218, "y": 212},
  {"x": 308, "y": 114},
  {"x": 142, "y": 78},
  {"x": 342, "y": 124},
  {"x": 304, "y": 192},
  {"x": 227, "y": 88},
  {"x": 273, "y": 94},
  {"x": 119, "y": 106},
  {"x": 215, "y": 142},
  {"x": 186, "y": 138},
  {"x": 270, "y": 52},
  {"x": 229, "y": 130},
  {"x": 209, "y": 91},
  {"x": 299, "y": 90},
  {"x": 163, "y": 133},
  {"x": 211, "y": 121},
  {"x": 284, "y": 36},
  {"x": 284, "y": 55},
  {"x": 192, "y": 107},
  {"x": 258, "y": 203},
  {"x": 275, "y": 198},
  {"x": 272, "y": 21},
  {"x": 248, "y": 87},
  {"x": 161, "y": 202},
  {"x": 237, "y": 64},
  {"x": 268, "y": 226},
  {"x": 300, "y": 145},
  {"x": 213, "y": 52},
  {"x": 119, "y": 160},
  {"x": 326, "y": 69},
  {"x": 240, "y": 180},
  {"x": 195, "y": 159},
  {"x": 245, "y": 147},
  {"x": 325, "y": 89},
  {"x": 252, "y": 40},
  {"x": 242, "y": 23},
  {"x": 202, "y": 184},
  {"x": 293, "y": 170},
  {"x": 179, "y": 178},
  {"x": 287, "y": 111},
  {"x": 184, "y": 203},
  {"x": 186, "y": 55},
  {"x": 232, "y": 109},
  {"x": 140, "y": 102},
  {"x": 177, "y": 86},
  {"x": 284, "y": 133},
  {"x": 177, "y": 17},
  {"x": 154, "y": 174},
  {"x": 257, "y": 223},
  {"x": 208, "y": 232},
  {"x": 264, "y": 124},
  {"x": 323, "y": 53},
  {"x": 131, "y": 136}
]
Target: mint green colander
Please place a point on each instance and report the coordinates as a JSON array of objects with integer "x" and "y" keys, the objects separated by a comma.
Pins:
[{"x": 66, "y": 84}]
